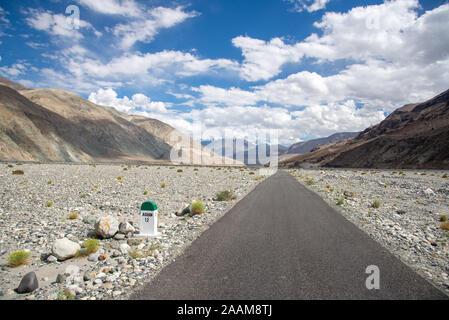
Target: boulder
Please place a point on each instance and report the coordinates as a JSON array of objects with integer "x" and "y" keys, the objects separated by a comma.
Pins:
[
  {"x": 28, "y": 283},
  {"x": 64, "y": 249},
  {"x": 107, "y": 227}
]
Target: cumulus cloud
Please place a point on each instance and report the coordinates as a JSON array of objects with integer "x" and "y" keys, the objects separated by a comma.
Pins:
[
  {"x": 145, "y": 28},
  {"x": 56, "y": 24},
  {"x": 263, "y": 60},
  {"x": 108, "y": 97}
]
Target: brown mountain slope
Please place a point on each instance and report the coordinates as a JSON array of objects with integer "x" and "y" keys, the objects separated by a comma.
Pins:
[
  {"x": 68, "y": 128},
  {"x": 191, "y": 150},
  {"x": 414, "y": 136}
]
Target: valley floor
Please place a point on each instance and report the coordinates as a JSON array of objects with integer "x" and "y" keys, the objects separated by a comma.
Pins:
[
  {"x": 399, "y": 209},
  {"x": 36, "y": 209}
]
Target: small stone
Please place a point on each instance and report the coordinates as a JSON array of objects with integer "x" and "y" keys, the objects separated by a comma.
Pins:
[
  {"x": 102, "y": 257},
  {"x": 126, "y": 227},
  {"x": 61, "y": 278},
  {"x": 87, "y": 276},
  {"x": 93, "y": 257},
  {"x": 98, "y": 281},
  {"x": 107, "y": 227},
  {"x": 64, "y": 249},
  {"x": 119, "y": 236},
  {"x": 400, "y": 212},
  {"x": 28, "y": 283},
  {"x": 124, "y": 248},
  {"x": 51, "y": 258}
]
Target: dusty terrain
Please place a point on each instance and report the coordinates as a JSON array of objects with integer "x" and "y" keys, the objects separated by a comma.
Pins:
[
  {"x": 30, "y": 223},
  {"x": 407, "y": 221}
]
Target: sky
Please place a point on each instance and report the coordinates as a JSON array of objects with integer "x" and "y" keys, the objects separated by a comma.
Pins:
[{"x": 306, "y": 68}]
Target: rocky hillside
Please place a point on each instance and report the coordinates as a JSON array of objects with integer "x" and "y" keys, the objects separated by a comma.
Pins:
[
  {"x": 192, "y": 151},
  {"x": 307, "y": 146},
  {"x": 414, "y": 136},
  {"x": 52, "y": 125}
]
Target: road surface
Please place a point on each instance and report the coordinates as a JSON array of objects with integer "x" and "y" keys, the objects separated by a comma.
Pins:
[{"x": 282, "y": 241}]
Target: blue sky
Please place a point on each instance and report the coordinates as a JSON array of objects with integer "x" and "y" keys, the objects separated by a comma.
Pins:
[{"x": 307, "y": 68}]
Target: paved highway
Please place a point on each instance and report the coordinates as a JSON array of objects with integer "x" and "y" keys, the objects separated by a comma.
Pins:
[{"x": 282, "y": 241}]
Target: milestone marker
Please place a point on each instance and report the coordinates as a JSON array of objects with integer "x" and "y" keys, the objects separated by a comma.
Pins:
[{"x": 148, "y": 219}]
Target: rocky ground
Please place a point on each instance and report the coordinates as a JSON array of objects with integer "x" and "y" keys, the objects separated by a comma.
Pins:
[
  {"x": 60, "y": 201},
  {"x": 399, "y": 209}
]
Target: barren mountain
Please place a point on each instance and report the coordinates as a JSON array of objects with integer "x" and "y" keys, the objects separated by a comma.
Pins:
[
  {"x": 414, "y": 136},
  {"x": 52, "y": 125},
  {"x": 191, "y": 149},
  {"x": 307, "y": 146}
]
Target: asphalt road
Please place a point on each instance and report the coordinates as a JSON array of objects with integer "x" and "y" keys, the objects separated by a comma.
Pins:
[{"x": 284, "y": 242}]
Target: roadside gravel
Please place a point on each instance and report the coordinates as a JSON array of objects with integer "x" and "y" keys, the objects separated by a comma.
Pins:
[
  {"x": 407, "y": 221},
  {"x": 36, "y": 207}
]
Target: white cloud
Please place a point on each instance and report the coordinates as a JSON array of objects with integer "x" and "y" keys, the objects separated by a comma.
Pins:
[
  {"x": 145, "y": 28},
  {"x": 113, "y": 7},
  {"x": 14, "y": 70},
  {"x": 309, "y": 5},
  {"x": 263, "y": 60},
  {"x": 56, "y": 24},
  {"x": 162, "y": 64},
  {"x": 108, "y": 97}
]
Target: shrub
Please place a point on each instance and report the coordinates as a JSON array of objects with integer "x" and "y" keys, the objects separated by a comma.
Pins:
[
  {"x": 443, "y": 218},
  {"x": 340, "y": 202},
  {"x": 49, "y": 204},
  {"x": 18, "y": 172},
  {"x": 226, "y": 195},
  {"x": 125, "y": 169},
  {"x": 91, "y": 245},
  {"x": 119, "y": 178},
  {"x": 376, "y": 204},
  {"x": 445, "y": 226},
  {"x": 10, "y": 166},
  {"x": 83, "y": 195},
  {"x": 179, "y": 170},
  {"x": 49, "y": 182},
  {"x": 73, "y": 216},
  {"x": 163, "y": 185},
  {"x": 96, "y": 187},
  {"x": 19, "y": 164},
  {"x": 145, "y": 192},
  {"x": 196, "y": 169},
  {"x": 65, "y": 295},
  {"x": 251, "y": 173},
  {"x": 310, "y": 182},
  {"x": 197, "y": 207},
  {"x": 328, "y": 186},
  {"x": 445, "y": 176},
  {"x": 18, "y": 258}
]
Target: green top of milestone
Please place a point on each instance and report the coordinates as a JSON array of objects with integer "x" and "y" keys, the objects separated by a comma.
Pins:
[{"x": 149, "y": 206}]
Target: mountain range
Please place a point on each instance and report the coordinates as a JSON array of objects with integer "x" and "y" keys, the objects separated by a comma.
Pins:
[
  {"x": 413, "y": 136},
  {"x": 52, "y": 125}
]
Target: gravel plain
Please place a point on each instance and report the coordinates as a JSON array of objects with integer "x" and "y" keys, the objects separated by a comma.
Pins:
[
  {"x": 402, "y": 210},
  {"x": 35, "y": 210}
]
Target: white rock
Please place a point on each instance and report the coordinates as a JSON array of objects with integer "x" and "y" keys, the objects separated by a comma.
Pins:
[
  {"x": 107, "y": 227},
  {"x": 64, "y": 249},
  {"x": 126, "y": 227},
  {"x": 429, "y": 192},
  {"x": 124, "y": 248}
]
